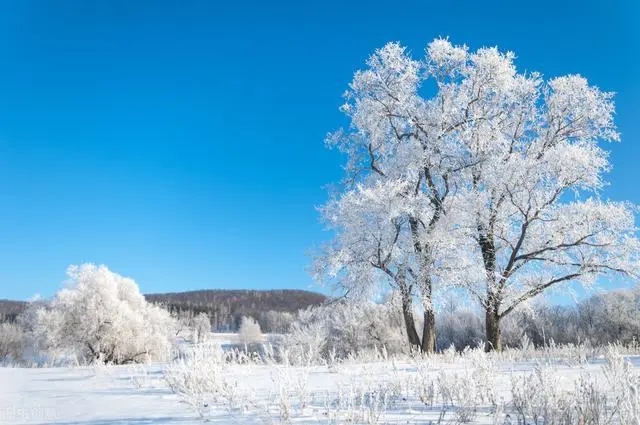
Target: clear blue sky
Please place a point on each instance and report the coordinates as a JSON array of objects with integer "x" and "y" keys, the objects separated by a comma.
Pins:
[{"x": 181, "y": 142}]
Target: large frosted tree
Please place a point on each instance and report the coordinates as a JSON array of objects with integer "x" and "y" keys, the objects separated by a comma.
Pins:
[
  {"x": 462, "y": 171},
  {"x": 532, "y": 209},
  {"x": 391, "y": 218}
]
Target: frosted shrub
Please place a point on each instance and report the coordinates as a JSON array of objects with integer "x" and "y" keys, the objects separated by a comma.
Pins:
[
  {"x": 143, "y": 376},
  {"x": 249, "y": 331},
  {"x": 591, "y": 403},
  {"x": 201, "y": 327},
  {"x": 449, "y": 355},
  {"x": 291, "y": 391},
  {"x": 363, "y": 401},
  {"x": 422, "y": 383},
  {"x": 374, "y": 401},
  {"x": 195, "y": 382},
  {"x": 345, "y": 330},
  {"x": 483, "y": 372},
  {"x": 306, "y": 343},
  {"x": 538, "y": 398},
  {"x": 201, "y": 381},
  {"x": 140, "y": 378},
  {"x": 571, "y": 354},
  {"x": 465, "y": 391},
  {"x": 102, "y": 316},
  {"x": 625, "y": 385},
  {"x": 12, "y": 342}
]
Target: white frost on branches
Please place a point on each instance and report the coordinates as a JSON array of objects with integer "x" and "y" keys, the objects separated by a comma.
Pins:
[
  {"x": 491, "y": 182},
  {"x": 102, "y": 316},
  {"x": 249, "y": 331}
]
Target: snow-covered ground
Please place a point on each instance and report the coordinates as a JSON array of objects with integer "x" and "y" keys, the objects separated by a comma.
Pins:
[
  {"x": 408, "y": 392},
  {"x": 84, "y": 395}
]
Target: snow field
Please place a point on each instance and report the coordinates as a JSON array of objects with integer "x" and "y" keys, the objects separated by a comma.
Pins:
[{"x": 470, "y": 388}]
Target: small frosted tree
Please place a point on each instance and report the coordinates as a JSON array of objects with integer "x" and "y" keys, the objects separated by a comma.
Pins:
[
  {"x": 201, "y": 327},
  {"x": 12, "y": 342},
  {"x": 249, "y": 331},
  {"x": 102, "y": 317}
]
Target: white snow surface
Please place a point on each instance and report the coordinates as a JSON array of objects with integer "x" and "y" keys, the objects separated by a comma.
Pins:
[
  {"x": 138, "y": 395},
  {"x": 85, "y": 395}
]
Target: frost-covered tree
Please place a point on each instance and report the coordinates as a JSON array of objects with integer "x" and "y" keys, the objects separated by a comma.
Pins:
[
  {"x": 273, "y": 321},
  {"x": 391, "y": 220},
  {"x": 102, "y": 316},
  {"x": 531, "y": 196},
  {"x": 201, "y": 327},
  {"x": 249, "y": 331},
  {"x": 12, "y": 342},
  {"x": 462, "y": 171}
]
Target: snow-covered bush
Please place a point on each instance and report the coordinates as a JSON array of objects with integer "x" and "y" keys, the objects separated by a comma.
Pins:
[
  {"x": 345, "y": 329},
  {"x": 12, "y": 342},
  {"x": 201, "y": 379},
  {"x": 305, "y": 343},
  {"x": 625, "y": 385},
  {"x": 364, "y": 399},
  {"x": 183, "y": 324},
  {"x": 101, "y": 316},
  {"x": 538, "y": 397},
  {"x": 249, "y": 331},
  {"x": 201, "y": 327},
  {"x": 275, "y": 321}
]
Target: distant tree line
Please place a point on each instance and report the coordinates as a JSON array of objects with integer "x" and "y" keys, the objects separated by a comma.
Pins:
[
  {"x": 274, "y": 310},
  {"x": 10, "y": 310},
  {"x": 612, "y": 316}
]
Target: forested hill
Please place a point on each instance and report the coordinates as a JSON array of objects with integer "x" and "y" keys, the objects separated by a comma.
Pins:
[
  {"x": 9, "y": 310},
  {"x": 273, "y": 308}
]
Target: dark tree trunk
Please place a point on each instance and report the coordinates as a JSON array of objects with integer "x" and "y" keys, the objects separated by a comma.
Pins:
[
  {"x": 492, "y": 316},
  {"x": 409, "y": 322},
  {"x": 494, "y": 342},
  {"x": 429, "y": 332}
]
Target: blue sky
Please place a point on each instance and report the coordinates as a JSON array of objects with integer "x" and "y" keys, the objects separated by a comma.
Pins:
[{"x": 181, "y": 143}]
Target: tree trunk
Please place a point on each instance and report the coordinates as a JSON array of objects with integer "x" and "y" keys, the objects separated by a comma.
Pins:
[
  {"x": 494, "y": 341},
  {"x": 429, "y": 332},
  {"x": 409, "y": 322}
]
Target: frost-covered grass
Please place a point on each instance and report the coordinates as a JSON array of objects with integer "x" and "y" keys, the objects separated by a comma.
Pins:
[
  {"x": 471, "y": 387},
  {"x": 206, "y": 384}
]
